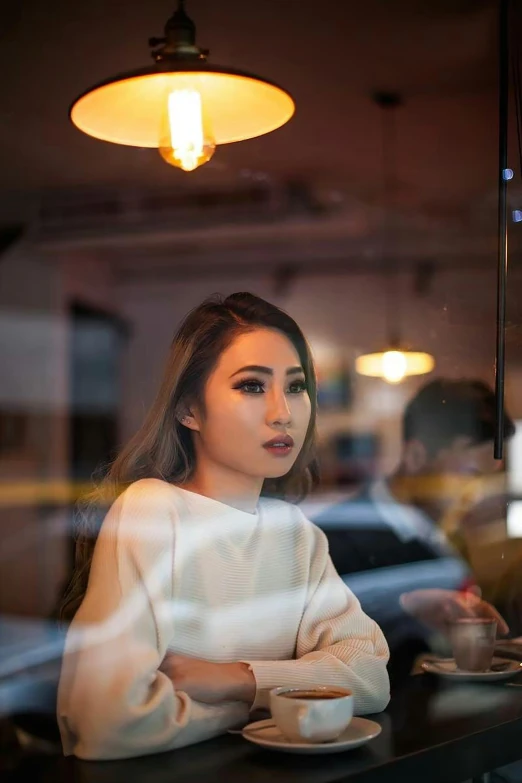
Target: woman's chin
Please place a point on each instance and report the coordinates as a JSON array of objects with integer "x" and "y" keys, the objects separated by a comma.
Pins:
[{"x": 278, "y": 471}]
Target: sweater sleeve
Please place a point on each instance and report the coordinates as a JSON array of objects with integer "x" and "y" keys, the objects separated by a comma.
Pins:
[
  {"x": 112, "y": 700},
  {"x": 337, "y": 643}
]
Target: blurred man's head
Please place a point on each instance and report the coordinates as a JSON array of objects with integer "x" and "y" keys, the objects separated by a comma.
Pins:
[{"x": 449, "y": 427}]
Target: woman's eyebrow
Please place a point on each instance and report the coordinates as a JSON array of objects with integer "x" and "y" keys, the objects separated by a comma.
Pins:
[{"x": 266, "y": 370}]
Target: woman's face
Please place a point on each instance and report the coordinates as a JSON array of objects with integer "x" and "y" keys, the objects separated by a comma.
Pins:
[{"x": 257, "y": 407}]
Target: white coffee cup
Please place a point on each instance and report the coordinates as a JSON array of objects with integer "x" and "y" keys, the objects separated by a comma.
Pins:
[{"x": 316, "y": 714}]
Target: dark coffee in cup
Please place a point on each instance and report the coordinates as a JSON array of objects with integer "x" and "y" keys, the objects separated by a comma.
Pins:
[{"x": 313, "y": 695}]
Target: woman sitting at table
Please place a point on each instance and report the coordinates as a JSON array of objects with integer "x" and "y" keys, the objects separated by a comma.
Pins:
[{"x": 206, "y": 588}]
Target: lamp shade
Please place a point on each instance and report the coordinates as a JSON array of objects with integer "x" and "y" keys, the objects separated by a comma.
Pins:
[
  {"x": 395, "y": 364},
  {"x": 128, "y": 109}
]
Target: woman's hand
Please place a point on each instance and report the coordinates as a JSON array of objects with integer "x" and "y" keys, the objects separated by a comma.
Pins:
[
  {"x": 210, "y": 683},
  {"x": 438, "y": 608}
]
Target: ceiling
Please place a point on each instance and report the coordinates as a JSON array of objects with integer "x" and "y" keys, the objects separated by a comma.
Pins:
[{"x": 440, "y": 55}]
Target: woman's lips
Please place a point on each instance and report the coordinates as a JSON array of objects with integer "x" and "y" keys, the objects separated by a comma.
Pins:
[{"x": 280, "y": 446}]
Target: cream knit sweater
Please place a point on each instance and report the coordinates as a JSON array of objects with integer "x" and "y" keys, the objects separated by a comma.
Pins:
[{"x": 173, "y": 570}]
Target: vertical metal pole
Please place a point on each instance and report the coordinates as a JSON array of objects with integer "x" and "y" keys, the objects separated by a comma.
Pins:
[{"x": 502, "y": 225}]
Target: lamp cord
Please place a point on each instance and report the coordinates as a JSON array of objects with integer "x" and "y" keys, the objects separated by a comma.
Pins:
[{"x": 388, "y": 103}]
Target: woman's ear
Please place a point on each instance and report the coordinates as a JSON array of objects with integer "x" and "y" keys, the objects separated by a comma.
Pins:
[{"x": 188, "y": 420}]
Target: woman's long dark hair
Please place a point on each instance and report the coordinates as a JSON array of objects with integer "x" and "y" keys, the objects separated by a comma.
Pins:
[{"x": 163, "y": 447}]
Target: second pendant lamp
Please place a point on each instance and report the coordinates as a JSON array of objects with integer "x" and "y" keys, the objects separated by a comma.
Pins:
[{"x": 396, "y": 360}]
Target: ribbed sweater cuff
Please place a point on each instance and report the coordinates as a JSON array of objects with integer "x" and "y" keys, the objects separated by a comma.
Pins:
[{"x": 275, "y": 674}]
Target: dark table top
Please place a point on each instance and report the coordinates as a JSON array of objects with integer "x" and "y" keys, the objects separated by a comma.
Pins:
[{"x": 432, "y": 731}]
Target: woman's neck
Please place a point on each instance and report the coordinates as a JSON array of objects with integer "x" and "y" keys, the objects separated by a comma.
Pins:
[{"x": 235, "y": 489}]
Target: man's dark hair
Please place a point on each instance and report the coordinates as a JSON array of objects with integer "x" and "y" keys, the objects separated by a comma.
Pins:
[{"x": 445, "y": 409}]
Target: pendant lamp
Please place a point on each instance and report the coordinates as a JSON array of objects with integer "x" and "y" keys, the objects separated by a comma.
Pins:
[
  {"x": 395, "y": 360},
  {"x": 181, "y": 104}
]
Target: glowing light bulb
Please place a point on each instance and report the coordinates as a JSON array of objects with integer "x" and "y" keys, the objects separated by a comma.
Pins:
[
  {"x": 394, "y": 366},
  {"x": 185, "y": 137}
]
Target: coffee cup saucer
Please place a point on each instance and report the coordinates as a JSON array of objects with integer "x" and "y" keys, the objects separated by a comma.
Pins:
[
  {"x": 501, "y": 669},
  {"x": 266, "y": 734}
]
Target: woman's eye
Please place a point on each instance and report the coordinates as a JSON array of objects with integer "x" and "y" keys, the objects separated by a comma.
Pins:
[
  {"x": 297, "y": 387},
  {"x": 258, "y": 387},
  {"x": 251, "y": 387}
]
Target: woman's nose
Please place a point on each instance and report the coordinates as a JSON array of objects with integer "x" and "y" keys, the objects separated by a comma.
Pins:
[{"x": 278, "y": 410}]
